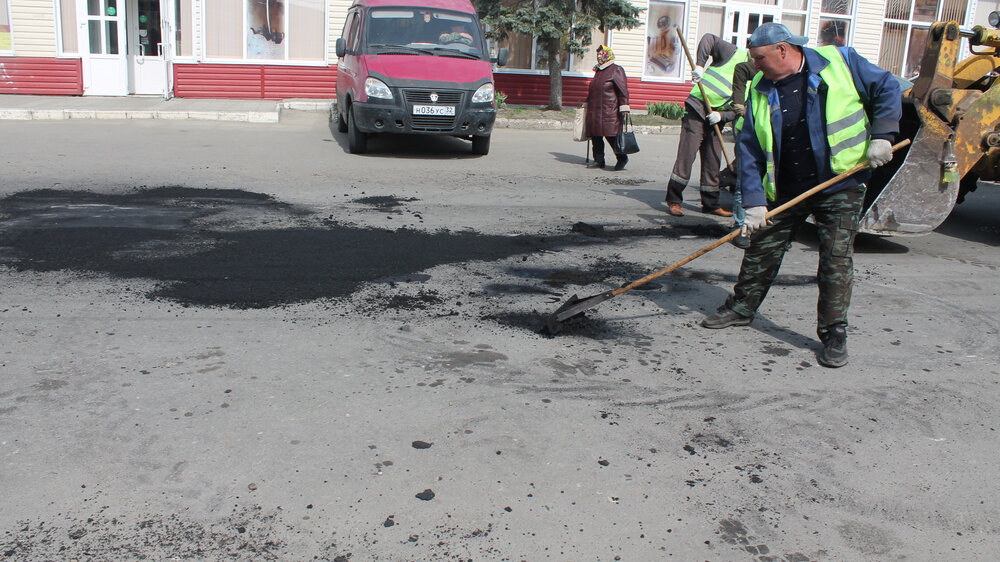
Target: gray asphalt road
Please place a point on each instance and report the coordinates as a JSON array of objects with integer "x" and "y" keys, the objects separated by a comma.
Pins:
[{"x": 239, "y": 341}]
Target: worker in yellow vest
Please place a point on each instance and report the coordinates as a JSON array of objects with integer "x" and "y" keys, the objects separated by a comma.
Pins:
[
  {"x": 697, "y": 137},
  {"x": 811, "y": 114}
]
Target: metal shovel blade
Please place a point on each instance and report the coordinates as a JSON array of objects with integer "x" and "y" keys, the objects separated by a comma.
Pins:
[{"x": 571, "y": 308}]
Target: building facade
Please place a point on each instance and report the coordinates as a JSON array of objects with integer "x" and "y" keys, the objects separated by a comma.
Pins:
[{"x": 278, "y": 49}]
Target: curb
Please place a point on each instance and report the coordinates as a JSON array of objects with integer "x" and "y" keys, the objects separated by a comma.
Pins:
[{"x": 555, "y": 124}]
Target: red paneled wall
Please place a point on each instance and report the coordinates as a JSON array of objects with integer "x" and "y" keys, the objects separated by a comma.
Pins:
[
  {"x": 533, "y": 89},
  {"x": 240, "y": 81},
  {"x": 41, "y": 76}
]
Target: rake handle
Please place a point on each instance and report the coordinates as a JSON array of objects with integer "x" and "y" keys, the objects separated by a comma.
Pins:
[{"x": 772, "y": 213}]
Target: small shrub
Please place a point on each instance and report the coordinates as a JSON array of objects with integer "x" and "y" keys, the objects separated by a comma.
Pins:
[
  {"x": 667, "y": 109},
  {"x": 500, "y": 99}
]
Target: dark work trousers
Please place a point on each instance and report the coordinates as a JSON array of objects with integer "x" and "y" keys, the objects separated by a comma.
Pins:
[
  {"x": 837, "y": 217},
  {"x": 697, "y": 137},
  {"x": 598, "y": 143}
]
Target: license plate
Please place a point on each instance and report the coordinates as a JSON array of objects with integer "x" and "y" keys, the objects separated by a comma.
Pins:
[{"x": 434, "y": 110}]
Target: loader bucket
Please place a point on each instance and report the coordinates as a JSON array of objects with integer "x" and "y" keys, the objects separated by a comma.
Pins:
[{"x": 912, "y": 195}]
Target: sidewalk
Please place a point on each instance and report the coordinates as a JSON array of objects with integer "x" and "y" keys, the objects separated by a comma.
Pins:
[
  {"x": 21, "y": 107},
  {"x": 28, "y": 107}
]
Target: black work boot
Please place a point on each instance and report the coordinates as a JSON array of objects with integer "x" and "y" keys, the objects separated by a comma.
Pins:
[
  {"x": 834, "y": 352},
  {"x": 725, "y": 317}
]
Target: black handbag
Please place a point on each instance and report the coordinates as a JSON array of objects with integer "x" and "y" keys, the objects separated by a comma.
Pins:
[{"x": 626, "y": 137}]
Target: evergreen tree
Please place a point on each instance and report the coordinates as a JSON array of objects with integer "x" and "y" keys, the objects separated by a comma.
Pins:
[{"x": 561, "y": 26}]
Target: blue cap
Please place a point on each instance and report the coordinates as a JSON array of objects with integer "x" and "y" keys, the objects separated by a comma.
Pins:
[{"x": 771, "y": 33}]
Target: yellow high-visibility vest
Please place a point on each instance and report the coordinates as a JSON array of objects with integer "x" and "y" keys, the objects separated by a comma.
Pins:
[
  {"x": 718, "y": 81},
  {"x": 847, "y": 122}
]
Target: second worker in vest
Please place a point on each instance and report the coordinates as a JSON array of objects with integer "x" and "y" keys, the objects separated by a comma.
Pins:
[
  {"x": 697, "y": 134},
  {"x": 811, "y": 114}
]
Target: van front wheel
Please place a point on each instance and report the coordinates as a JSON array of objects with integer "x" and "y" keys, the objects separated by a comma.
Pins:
[
  {"x": 357, "y": 141},
  {"x": 481, "y": 145},
  {"x": 341, "y": 122}
]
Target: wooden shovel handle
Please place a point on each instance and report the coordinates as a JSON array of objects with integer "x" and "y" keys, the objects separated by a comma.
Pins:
[{"x": 735, "y": 233}]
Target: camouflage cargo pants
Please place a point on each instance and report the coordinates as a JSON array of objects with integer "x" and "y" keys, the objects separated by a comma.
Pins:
[{"x": 837, "y": 217}]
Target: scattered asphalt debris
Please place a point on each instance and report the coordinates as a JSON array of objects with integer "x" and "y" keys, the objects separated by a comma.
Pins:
[
  {"x": 421, "y": 445},
  {"x": 426, "y": 495},
  {"x": 588, "y": 229},
  {"x": 246, "y": 533},
  {"x": 384, "y": 203},
  {"x": 389, "y": 522}
]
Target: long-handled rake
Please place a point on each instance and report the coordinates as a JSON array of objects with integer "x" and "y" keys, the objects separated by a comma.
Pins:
[{"x": 575, "y": 306}]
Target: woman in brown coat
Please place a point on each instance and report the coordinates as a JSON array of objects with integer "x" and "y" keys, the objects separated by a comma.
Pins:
[{"x": 607, "y": 99}]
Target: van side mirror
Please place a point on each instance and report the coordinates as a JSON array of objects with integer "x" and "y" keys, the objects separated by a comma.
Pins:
[
  {"x": 341, "y": 47},
  {"x": 501, "y": 58}
]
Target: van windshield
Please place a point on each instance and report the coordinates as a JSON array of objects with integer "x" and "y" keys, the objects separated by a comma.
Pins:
[{"x": 424, "y": 31}]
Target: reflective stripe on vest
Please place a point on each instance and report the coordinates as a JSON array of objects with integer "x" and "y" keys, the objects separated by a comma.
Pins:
[
  {"x": 718, "y": 80},
  {"x": 847, "y": 121}
]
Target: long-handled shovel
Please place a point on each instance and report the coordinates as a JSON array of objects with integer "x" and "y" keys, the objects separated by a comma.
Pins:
[
  {"x": 575, "y": 306},
  {"x": 708, "y": 108}
]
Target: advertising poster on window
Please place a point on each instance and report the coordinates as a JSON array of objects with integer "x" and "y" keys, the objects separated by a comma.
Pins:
[
  {"x": 266, "y": 36},
  {"x": 664, "y": 54}
]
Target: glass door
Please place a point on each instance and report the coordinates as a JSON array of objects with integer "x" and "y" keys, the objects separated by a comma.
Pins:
[
  {"x": 147, "y": 47},
  {"x": 102, "y": 47},
  {"x": 743, "y": 19}
]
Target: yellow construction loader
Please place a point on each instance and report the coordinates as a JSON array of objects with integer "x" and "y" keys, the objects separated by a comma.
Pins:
[{"x": 952, "y": 116}]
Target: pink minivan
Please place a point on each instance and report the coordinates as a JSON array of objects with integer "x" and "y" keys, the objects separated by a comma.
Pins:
[{"x": 415, "y": 68}]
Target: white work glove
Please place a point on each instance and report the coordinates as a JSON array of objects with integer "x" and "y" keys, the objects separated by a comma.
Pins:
[
  {"x": 879, "y": 152},
  {"x": 696, "y": 74},
  {"x": 713, "y": 117},
  {"x": 755, "y": 220}
]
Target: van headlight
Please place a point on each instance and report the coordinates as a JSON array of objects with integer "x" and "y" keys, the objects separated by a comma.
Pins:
[
  {"x": 375, "y": 88},
  {"x": 484, "y": 94}
]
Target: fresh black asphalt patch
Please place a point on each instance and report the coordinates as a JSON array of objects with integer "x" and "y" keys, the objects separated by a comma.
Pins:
[
  {"x": 233, "y": 248},
  {"x": 153, "y": 234}
]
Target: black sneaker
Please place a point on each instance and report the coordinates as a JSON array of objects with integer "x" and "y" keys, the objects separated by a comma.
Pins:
[
  {"x": 725, "y": 318},
  {"x": 834, "y": 353},
  {"x": 620, "y": 164}
]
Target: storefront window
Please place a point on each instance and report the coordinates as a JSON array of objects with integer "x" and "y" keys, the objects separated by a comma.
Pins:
[
  {"x": 835, "y": 22},
  {"x": 528, "y": 53},
  {"x": 664, "y": 53},
  {"x": 5, "y": 37},
  {"x": 183, "y": 40},
  {"x": 276, "y": 30},
  {"x": 833, "y": 31},
  {"x": 67, "y": 26}
]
